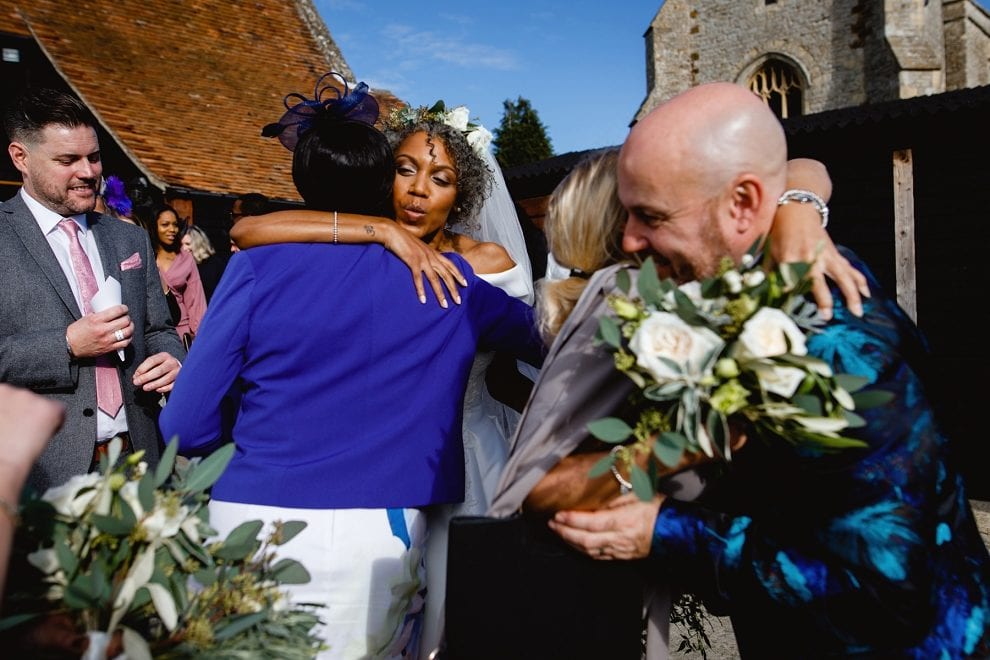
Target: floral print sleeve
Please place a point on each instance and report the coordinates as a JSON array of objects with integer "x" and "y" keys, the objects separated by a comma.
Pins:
[{"x": 870, "y": 551}]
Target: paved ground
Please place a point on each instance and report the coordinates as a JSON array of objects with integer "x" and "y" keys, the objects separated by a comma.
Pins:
[{"x": 723, "y": 643}]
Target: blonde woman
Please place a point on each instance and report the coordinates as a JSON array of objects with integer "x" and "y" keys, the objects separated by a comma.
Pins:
[{"x": 208, "y": 262}]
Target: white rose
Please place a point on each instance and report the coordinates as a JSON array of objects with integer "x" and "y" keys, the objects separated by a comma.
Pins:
[
  {"x": 665, "y": 335},
  {"x": 780, "y": 380},
  {"x": 66, "y": 498},
  {"x": 458, "y": 118},
  {"x": 479, "y": 139},
  {"x": 690, "y": 289},
  {"x": 767, "y": 334}
]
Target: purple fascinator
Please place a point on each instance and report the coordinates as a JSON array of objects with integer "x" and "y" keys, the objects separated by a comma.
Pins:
[
  {"x": 115, "y": 196},
  {"x": 352, "y": 104}
]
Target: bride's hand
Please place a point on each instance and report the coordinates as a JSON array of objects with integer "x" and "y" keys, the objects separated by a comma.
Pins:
[
  {"x": 423, "y": 260},
  {"x": 797, "y": 235}
]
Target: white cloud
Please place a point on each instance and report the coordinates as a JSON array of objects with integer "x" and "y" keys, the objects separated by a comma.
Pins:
[{"x": 411, "y": 47}]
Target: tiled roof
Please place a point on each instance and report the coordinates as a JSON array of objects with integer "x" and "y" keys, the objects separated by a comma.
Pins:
[{"x": 185, "y": 87}]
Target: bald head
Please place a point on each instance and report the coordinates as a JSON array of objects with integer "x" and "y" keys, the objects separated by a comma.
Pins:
[{"x": 707, "y": 166}]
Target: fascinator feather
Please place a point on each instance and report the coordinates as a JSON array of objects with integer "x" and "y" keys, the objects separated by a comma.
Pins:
[
  {"x": 328, "y": 100},
  {"x": 115, "y": 196}
]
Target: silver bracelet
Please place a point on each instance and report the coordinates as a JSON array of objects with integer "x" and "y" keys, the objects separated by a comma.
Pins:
[
  {"x": 625, "y": 486},
  {"x": 335, "y": 233},
  {"x": 806, "y": 197}
]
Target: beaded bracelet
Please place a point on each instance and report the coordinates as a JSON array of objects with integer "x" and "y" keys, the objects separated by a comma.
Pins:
[
  {"x": 625, "y": 486},
  {"x": 806, "y": 197},
  {"x": 335, "y": 228}
]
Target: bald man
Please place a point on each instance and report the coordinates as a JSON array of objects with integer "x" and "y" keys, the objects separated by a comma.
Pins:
[{"x": 872, "y": 551}]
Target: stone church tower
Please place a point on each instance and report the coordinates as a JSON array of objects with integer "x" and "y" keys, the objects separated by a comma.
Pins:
[{"x": 806, "y": 56}]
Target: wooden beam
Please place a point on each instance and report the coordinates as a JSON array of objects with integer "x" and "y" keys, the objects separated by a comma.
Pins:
[{"x": 904, "y": 253}]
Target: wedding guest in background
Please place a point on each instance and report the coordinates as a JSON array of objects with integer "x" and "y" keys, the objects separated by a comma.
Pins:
[
  {"x": 871, "y": 551},
  {"x": 179, "y": 274},
  {"x": 248, "y": 204},
  {"x": 54, "y": 253},
  {"x": 324, "y": 341},
  {"x": 113, "y": 200},
  {"x": 208, "y": 262}
]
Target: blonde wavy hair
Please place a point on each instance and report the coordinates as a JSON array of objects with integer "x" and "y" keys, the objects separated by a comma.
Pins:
[
  {"x": 583, "y": 227},
  {"x": 199, "y": 244}
]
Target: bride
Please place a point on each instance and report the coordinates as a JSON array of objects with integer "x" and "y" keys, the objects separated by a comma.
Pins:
[{"x": 436, "y": 213}]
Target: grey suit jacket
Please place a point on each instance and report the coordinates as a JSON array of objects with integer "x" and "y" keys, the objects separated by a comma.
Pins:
[{"x": 36, "y": 307}]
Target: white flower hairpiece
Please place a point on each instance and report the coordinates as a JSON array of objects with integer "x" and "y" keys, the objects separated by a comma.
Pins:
[{"x": 477, "y": 136}]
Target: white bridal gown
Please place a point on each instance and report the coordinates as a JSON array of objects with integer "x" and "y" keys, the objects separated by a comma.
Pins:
[{"x": 487, "y": 429}]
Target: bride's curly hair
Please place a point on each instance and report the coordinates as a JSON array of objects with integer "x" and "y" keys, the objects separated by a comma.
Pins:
[{"x": 474, "y": 179}]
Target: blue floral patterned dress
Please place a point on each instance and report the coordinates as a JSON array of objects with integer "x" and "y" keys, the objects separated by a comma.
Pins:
[{"x": 869, "y": 552}]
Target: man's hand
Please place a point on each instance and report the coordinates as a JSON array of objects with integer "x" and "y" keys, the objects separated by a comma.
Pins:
[
  {"x": 624, "y": 530},
  {"x": 157, "y": 373},
  {"x": 424, "y": 260},
  {"x": 95, "y": 334}
]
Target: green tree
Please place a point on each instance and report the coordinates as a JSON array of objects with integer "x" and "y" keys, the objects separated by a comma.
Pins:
[{"x": 521, "y": 137}]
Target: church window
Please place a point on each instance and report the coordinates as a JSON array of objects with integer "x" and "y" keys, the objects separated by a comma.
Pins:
[{"x": 779, "y": 85}]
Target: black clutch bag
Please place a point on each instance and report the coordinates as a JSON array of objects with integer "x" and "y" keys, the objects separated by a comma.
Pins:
[{"x": 515, "y": 590}]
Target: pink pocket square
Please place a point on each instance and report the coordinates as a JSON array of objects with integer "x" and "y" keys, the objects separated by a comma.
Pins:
[{"x": 131, "y": 262}]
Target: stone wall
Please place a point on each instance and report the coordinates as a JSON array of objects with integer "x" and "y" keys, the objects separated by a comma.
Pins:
[{"x": 849, "y": 52}]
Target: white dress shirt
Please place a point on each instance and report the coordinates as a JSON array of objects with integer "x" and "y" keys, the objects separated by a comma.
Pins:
[{"x": 106, "y": 426}]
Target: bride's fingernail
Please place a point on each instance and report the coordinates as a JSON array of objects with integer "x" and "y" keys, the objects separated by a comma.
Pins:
[
  {"x": 443, "y": 303},
  {"x": 457, "y": 299},
  {"x": 422, "y": 299}
]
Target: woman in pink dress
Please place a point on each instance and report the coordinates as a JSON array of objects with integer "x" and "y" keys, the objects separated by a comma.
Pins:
[{"x": 180, "y": 277}]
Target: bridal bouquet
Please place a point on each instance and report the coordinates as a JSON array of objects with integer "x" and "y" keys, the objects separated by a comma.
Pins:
[
  {"x": 706, "y": 354},
  {"x": 125, "y": 550}
]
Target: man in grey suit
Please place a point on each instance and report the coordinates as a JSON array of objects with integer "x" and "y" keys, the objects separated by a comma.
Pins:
[{"x": 55, "y": 254}]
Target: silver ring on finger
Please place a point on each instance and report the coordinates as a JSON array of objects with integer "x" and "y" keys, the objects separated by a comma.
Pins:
[{"x": 118, "y": 335}]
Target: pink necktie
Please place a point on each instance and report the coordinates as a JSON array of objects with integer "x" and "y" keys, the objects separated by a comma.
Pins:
[{"x": 109, "y": 398}]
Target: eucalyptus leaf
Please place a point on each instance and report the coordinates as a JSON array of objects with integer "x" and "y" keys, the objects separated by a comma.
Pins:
[
  {"x": 610, "y": 332},
  {"x": 872, "y": 399},
  {"x": 854, "y": 420},
  {"x": 236, "y": 552},
  {"x": 809, "y": 403},
  {"x": 851, "y": 383},
  {"x": 648, "y": 283},
  {"x": 610, "y": 429},
  {"x": 290, "y": 529},
  {"x": 237, "y": 624},
  {"x": 601, "y": 466},
  {"x": 718, "y": 432},
  {"x": 167, "y": 461},
  {"x": 641, "y": 483},
  {"x": 669, "y": 448},
  {"x": 164, "y": 604},
  {"x": 622, "y": 281},
  {"x": 112, "y": 526},
  {"x": 290, "y": 571},
  {"x": 678, "y": 368},
  {"x": 67, "y": 559},
  {"x": 135, "y": 646},
  {"x": 206, "y": 576},
  {"x": 146, "y": 491},
  {"x": 209, "y": 470}
]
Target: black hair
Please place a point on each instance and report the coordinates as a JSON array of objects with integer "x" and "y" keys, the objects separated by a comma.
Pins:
[
  {"x": 37, "y": 108},
  {"x": 253, "y": 204},
  {"x": 150, "y": 222},
  {"x": 342, "y": 165},
  {"x": 474, "y": 179}
]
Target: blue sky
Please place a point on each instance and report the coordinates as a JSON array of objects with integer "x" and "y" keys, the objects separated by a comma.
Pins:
[{"x": 581, "y": 63}]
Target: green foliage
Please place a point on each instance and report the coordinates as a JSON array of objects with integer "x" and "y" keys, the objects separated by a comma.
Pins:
[{"x": 521, "y": 137}]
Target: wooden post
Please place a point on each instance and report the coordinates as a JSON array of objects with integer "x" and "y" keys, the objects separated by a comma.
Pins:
[{"x": 904, "y": 260}]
